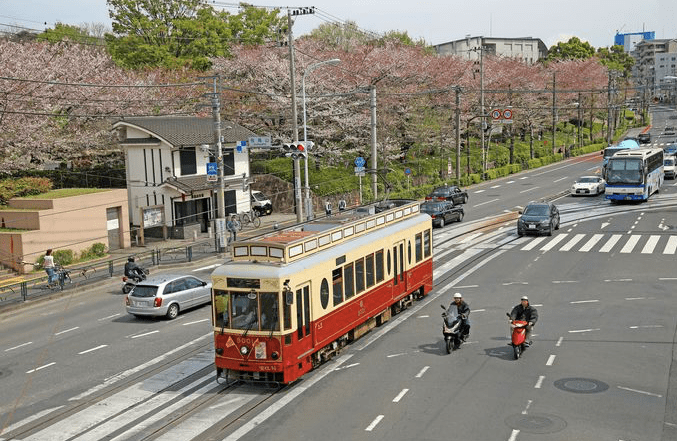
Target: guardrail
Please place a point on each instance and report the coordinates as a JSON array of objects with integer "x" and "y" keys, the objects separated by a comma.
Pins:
[{"x": 29, "y": 288}]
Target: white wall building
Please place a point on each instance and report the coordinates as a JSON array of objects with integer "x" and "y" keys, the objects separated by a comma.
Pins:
[
  {"x": 527, "y": 49},
  {"x": 166, "y": 160}
]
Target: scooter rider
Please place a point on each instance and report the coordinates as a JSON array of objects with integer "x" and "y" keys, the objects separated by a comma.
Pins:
[
  {"x": 463, "y": 309},
  {"x": 524, "y": 311},
  {"x": 133, "y": 271}
]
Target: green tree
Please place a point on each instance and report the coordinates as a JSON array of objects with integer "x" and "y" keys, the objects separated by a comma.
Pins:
[
  {"x": 76, "y": 34},
  {"x": 571, "y": 50},
  {"x": 615, "y": 58},
  {"x": 177, "y": 33}
]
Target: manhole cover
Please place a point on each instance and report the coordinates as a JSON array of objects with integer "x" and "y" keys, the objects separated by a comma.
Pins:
[
  {"x": 581, "y": 385},
  {"x": 536, "y": 423}
]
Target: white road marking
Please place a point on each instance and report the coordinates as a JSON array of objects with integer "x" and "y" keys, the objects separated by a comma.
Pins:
[
  {"x": 526, "y": 409},
  {"x": 551, "y": 360},
  {"x": 539, "y": 383},
  {"x": 147, "y": 333},
  {"x": 529, "y": 189},
  {"x": 650, "y": 244},
  {"x": 591, "y": 243},
  {"x": 564, "y": 281},
  {"x": 479, "y": 191},
  {"x": 569, "y": 245},
  {"x": 618, "y": 280},
  {"x": 646, "y": 326},
  {"x": 41, "y": 367},
  {"x": 93, "y": 349},
  {"x": 422, "y": 371},
  {"x": 346, "y": 367},
  {"x": 560, "y": 179},
  {"x": 400, "y": 395},
  {"x": 576, "y": 331},
  {"x": 197, "y": 321},
  {"x": 610, "y": 243},
  {"x": 494, "y": 186},
  {"x": 533, "y": 243},
  {"x": 671, "y": 245},
  {"x": 484, "y": 203},
  {"x": 396, "y": 355},
  {"x": 374, "y": 423},
  {"x": 641, "y": 392},
  {"x": 19, "y": 346},
  {"x": 207, "y": 267},
  {"x": 67, "y": 330},
  {"x": 109, "y": 317},
  {"x": 550, "y": 245},
  {"x": 584, "y": 301},
  {"x": 559, "y": 342},
  {"x": 515, "y": 283},
  {"x": 513, "y": 435},
  {"x": 630, "y": 244},
  {"x": 635, "y": 298},
  {"x": 667, "y": 278}
]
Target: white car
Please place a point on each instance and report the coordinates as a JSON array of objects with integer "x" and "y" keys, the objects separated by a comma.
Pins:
[
  {"x": 669, "y": 167},
  {"x": 589, "y": 185}
]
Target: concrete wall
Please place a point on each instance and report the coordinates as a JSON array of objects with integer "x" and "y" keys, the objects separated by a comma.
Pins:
[{"x": 74, "y": 223}]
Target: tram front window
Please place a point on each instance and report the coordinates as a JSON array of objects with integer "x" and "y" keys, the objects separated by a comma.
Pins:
[{"x": 247, "y": 310}]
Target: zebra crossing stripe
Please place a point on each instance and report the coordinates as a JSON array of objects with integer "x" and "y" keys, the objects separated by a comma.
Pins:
[
  {"x": 550, "y": 245},
  {"x": 610, "y": 243},
  {"x": 569, "y": 245},
  {"x": 671, "y": 247},
  {"x": 591, "y": 243},
  {"x": 650, "y": 244},
  {"x": 531, "y": 245},
  {"x": 630, "y": 244}
]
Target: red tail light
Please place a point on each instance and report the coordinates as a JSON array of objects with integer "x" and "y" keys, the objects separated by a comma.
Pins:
[
  {"x": 432, "y": 216},
  {"x": 440, "y": 198},
  {"x": 428, "y": 198},
  {"x": 158, "y": 302}
]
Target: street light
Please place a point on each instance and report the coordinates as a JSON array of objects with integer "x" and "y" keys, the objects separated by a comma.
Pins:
[{"x": 332, "y": 62}]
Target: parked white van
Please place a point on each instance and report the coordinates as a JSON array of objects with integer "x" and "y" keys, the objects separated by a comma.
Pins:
[
  {"x": 669, "y": 167},
  {"x": 261, "y": 203}
]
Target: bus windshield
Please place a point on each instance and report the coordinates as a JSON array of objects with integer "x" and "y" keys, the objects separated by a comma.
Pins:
[
  {"x": 253, "y": 311},
  {"x": 624, "y": 171}
]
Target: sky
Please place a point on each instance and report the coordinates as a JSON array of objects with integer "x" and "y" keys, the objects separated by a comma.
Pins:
[{"x": 435, "y": 21}]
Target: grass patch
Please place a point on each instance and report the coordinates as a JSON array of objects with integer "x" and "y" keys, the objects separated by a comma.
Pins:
[{"x": 66, "y": 192}]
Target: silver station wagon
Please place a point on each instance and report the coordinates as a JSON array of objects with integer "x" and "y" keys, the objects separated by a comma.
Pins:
[{"x": 167, "y": 295}]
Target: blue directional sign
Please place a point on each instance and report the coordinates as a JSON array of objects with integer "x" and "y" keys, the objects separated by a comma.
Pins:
[
  {"x": 240, "y": 146},
  {"x": 359, "y": 161},
  {"x": 212, "y": 171},
  {"x": 407, "y": 170}
]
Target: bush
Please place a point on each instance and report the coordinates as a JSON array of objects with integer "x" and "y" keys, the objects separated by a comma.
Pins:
[
  {"x": 64, "y": 257},
  {"x": 96, "y": 251},
  {"x": 11, "y": 188}
]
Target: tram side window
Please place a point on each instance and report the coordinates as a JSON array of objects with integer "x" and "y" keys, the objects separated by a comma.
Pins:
[
  {"x": 370, "y": 270},
  {"x": 221, "y": 301},
  {"x": 359, "y": 275},
  {"x": 348, "y": 278},
  {"x": 409, "y": 251},
  {"x": 426, "y": 243},
  {"x": 379, "y": 266},
  {"x": 419, "y": 247},
  {"x": 286, "y": 313},
  {"x": 337, "y": 280},
  {"x": 324, "y": 293}
]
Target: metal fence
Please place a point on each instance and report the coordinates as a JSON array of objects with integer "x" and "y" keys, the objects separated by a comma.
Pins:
[{"x": 86, "y": 274}]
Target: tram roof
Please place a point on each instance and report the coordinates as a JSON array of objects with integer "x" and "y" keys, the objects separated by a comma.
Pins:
[{"x": 300, "y": 240}]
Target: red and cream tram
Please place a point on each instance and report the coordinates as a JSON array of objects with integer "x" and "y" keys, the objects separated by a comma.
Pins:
[{"x": 291, "y": 299}]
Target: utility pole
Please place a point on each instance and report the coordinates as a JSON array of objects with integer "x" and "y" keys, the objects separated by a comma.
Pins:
[
  {"x": 608, "y": 112},
  {"x": 483, "y": 122},
  {"x": 216, "y": 107},
  {"x": 458, "y": 134},
  {"x": 297, "y": 165},
  {"x": 374, "y": 162}
]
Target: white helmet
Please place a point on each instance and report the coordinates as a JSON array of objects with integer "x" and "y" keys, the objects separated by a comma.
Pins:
[
  {"x": 525, "y": 298},
  {"x": 458, "y": 295}
]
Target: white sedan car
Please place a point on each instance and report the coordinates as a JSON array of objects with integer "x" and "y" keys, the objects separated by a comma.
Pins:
[{"x": 589, "y": 185}]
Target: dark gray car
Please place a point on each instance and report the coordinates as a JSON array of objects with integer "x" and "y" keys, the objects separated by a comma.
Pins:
[
  {"x": 167, "y": 295},
  {"x": 538, "y": 218},
  {"x": 442, "y": 212}
]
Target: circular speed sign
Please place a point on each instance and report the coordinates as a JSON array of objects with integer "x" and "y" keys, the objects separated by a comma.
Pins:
[{"x": 507, "y": 114}]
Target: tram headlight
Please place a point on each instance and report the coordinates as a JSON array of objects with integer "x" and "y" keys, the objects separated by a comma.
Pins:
[
  {"x": 219, "y": 351},
  {"x": 244, "y": 350},
  {"x": 274, "y": 355}
]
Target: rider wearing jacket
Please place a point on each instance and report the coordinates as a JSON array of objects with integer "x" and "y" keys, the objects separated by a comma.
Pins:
[
  {"x": 524, "y": 311},
  {"x": 133, "y": 271},
  {"x": 463, "y": 309}
]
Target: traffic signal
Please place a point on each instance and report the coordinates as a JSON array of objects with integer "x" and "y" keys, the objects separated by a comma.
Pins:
[{"x": 294, "y": 151}]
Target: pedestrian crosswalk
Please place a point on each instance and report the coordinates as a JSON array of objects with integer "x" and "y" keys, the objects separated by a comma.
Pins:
[{"x": 600, "y": 243}]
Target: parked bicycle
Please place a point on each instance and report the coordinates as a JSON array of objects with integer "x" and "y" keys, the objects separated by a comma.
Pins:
[
  {"x": 63, "y": 276},
  {"x": 250, "y": 217}
]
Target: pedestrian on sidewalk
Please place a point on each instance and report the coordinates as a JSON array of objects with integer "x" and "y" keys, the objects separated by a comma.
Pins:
[{"x": 48, "y": 265}]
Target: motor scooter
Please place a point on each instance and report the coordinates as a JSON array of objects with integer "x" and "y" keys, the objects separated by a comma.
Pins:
[
  {"x": 128, "y": 283},
  {"x": 451, "y": 328},
  {"x": 518, "y": 337}
]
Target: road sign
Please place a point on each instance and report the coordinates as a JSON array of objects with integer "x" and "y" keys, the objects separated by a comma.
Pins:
[
  {"x": 212, "y": 171},
  {"x": 241, "y": 146},
  {"x": 359, "y": 171},
  {"x": 407, "y": 170},
  {"x": 260, "y": 142},
  {"x": 359, "y": 161},
  {"x": 496, "y": 114}
]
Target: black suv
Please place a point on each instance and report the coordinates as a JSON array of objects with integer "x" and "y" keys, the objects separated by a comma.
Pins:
[
  {"x": 442, "y": 212},
  {"x": 538, "y": 217},
  {"x": 448, "y": 193},
  {"x": 644, "y": 138}
]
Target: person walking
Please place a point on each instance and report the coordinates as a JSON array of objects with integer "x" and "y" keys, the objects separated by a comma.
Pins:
[{"x": 48, "y": 265}]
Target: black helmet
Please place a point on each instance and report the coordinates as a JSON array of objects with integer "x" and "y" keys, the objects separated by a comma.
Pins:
[{"x": 130, "y": 259}]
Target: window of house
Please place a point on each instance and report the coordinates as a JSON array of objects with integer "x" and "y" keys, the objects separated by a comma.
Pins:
[{"x": 188, "y": 161}]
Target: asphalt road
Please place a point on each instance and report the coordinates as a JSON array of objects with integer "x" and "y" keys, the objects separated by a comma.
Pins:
[{"x": 600, "y": 368}]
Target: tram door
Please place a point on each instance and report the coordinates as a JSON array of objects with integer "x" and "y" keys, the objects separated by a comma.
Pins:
[
  {"x": 399, "y": 281},
  {"x": 303, "y": 317}
]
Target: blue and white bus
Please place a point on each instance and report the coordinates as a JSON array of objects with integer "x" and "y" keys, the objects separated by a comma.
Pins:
[
  {"x": 627, "y": 144},
  {"x": 634, "y": 175}
]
